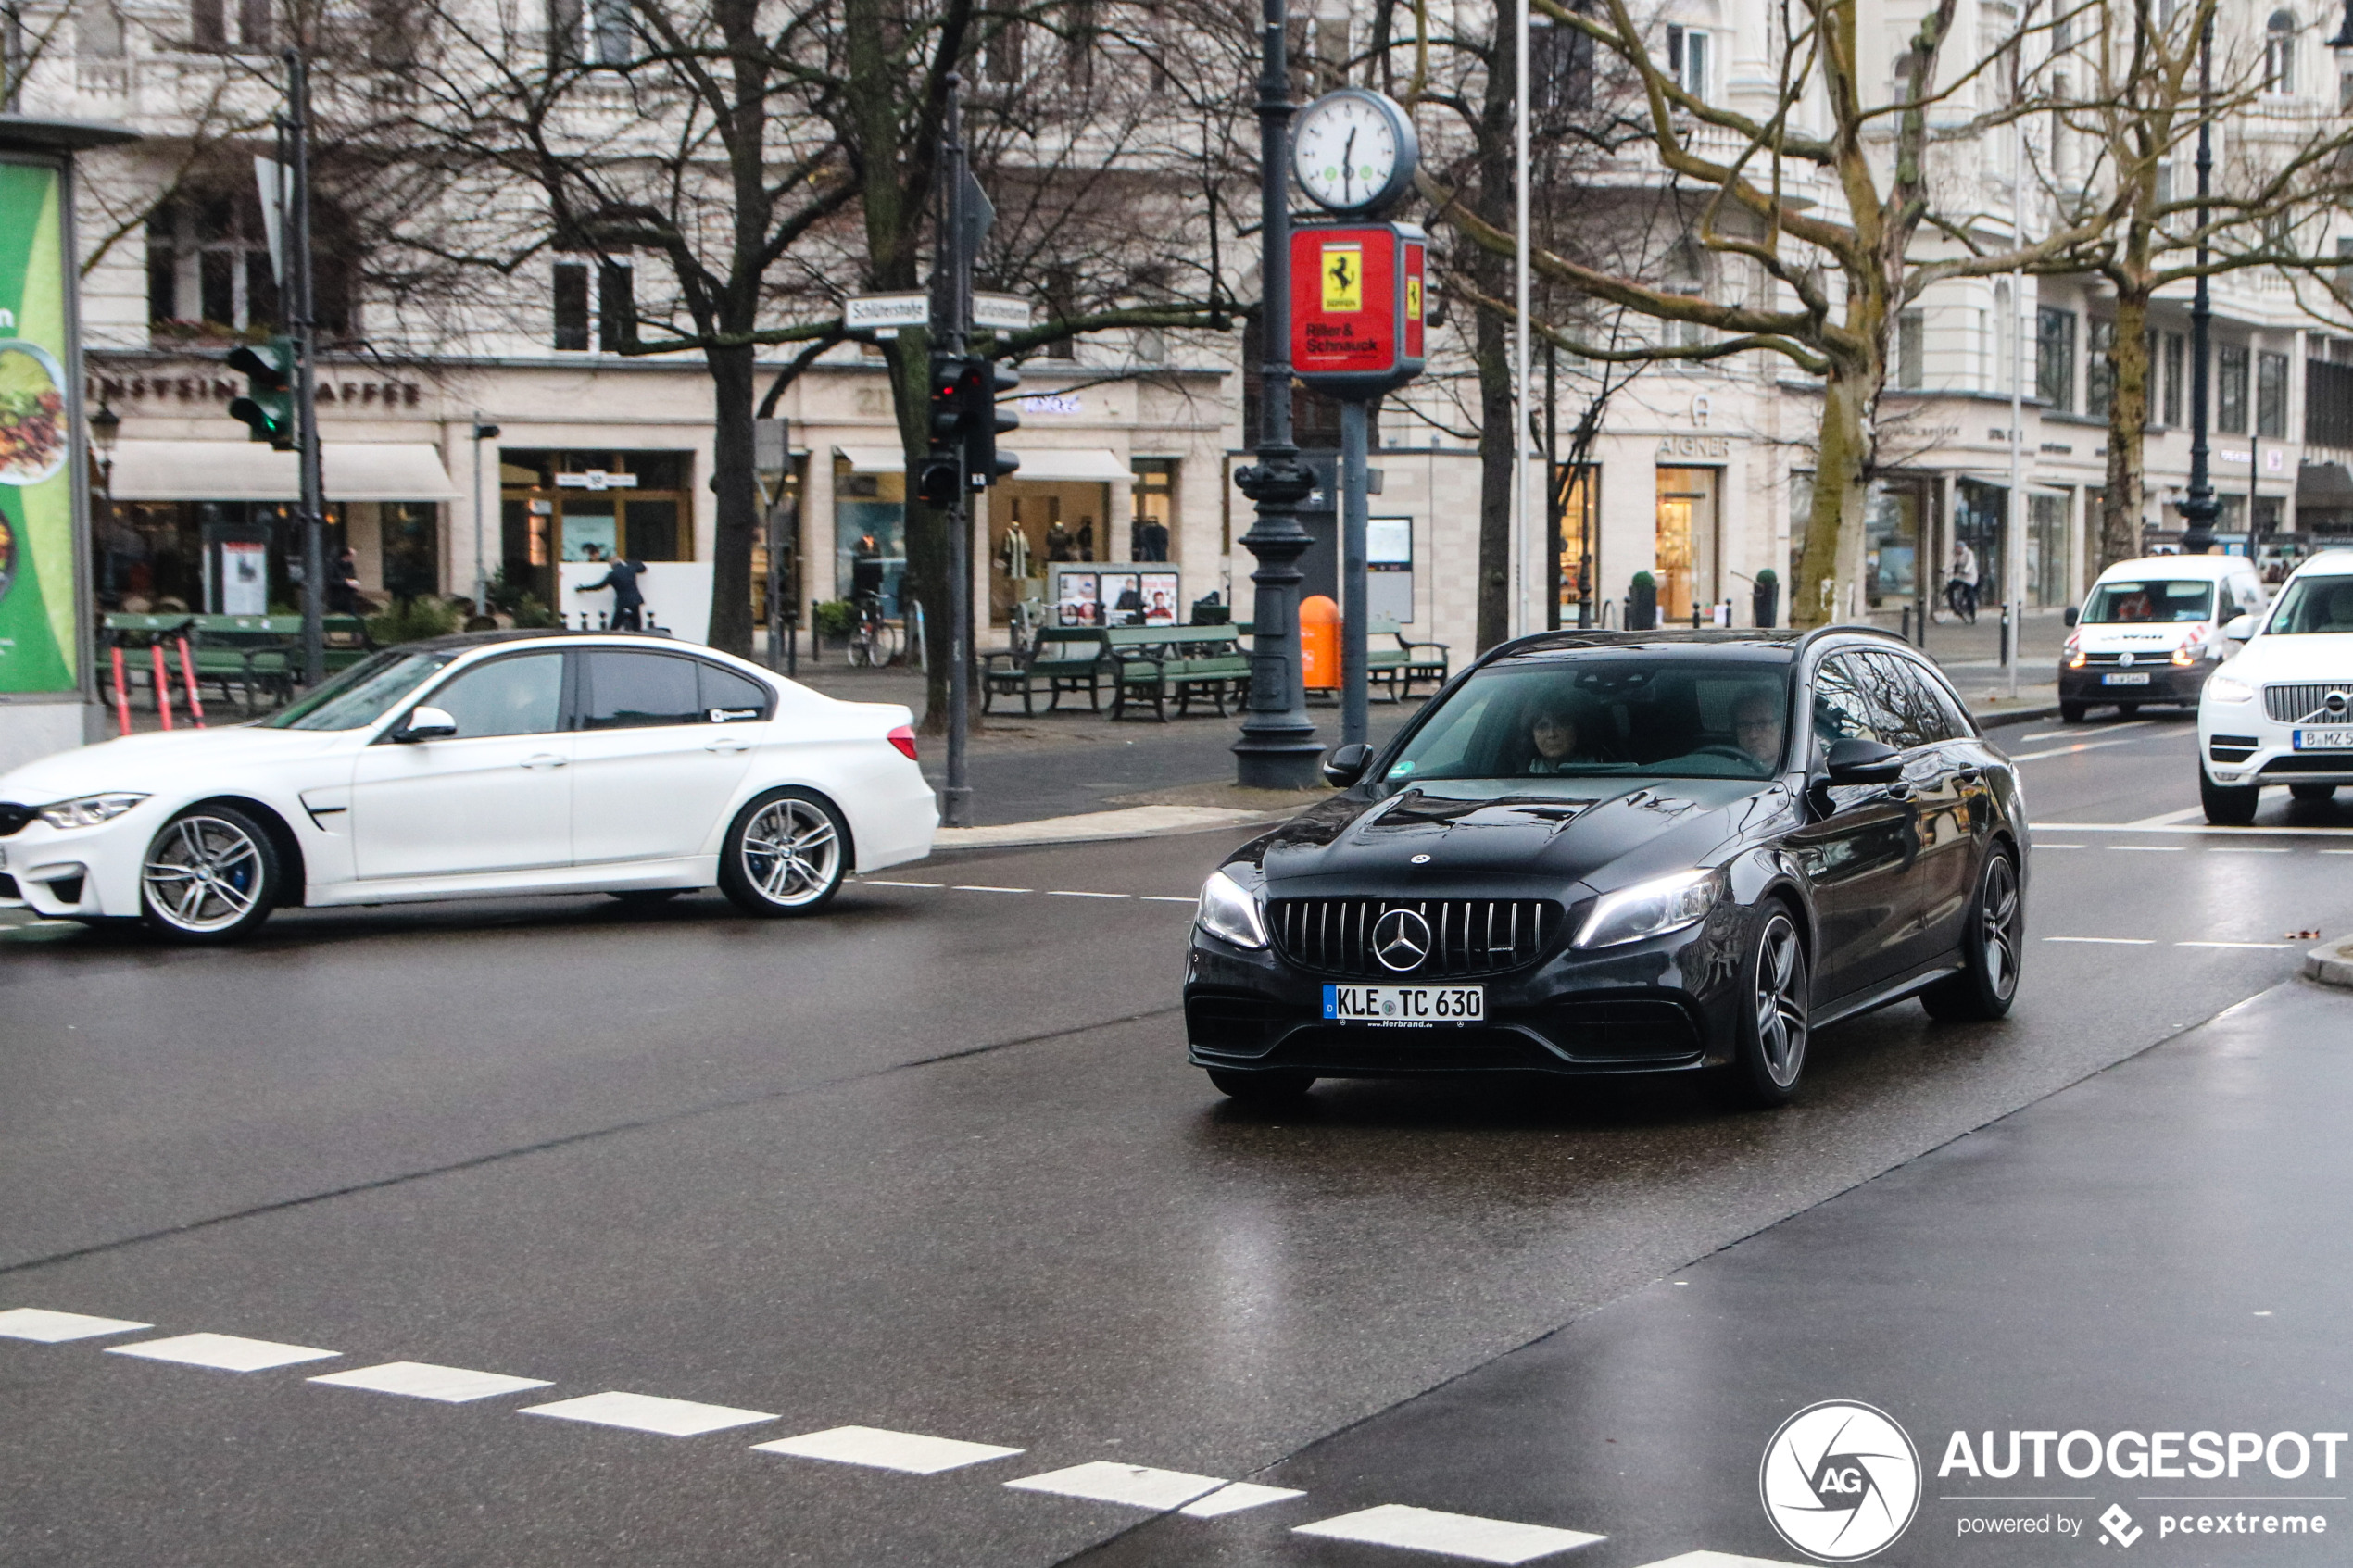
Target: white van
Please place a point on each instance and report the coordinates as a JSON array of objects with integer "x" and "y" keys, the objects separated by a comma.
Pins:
[{"x": 2151, "y": 630}]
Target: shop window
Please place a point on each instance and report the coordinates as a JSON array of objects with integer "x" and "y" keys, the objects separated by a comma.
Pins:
[
  {"x": 1895, "y": 518},
  {"x": 2230, "y": 389},
  {"x": 870, "y": 533},
  {"x": 2270, "y": 395},
  {"x": 2054, "y": 356},
  {"x": 2046, "y": 549},
  {"x": 1686, "y": 541},
  {"x": 558, "y": 505},
  {"x": 1577, "y": 504},
  {"x": 1152, "y": 534},
  {"x": 411, "y": 542}
]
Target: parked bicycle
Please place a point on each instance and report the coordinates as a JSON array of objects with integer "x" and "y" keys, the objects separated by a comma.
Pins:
[{"x": 875, "y": 641}]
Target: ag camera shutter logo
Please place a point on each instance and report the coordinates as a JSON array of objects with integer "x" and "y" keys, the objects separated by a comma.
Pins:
[{"x": 1841, "y": 1481}]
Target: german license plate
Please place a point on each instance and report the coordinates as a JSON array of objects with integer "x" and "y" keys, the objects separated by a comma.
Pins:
[
  {"x": 2337, "y": 737},
  {"x": 1405, "y": 1006},
  {"x": 2126, "y": 678}
]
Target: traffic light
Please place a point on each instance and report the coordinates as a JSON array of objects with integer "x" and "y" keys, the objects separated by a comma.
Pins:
[
  {"x": 940, "y": 481},
  {"x": 267, "y": 408},
  {"x": 985, "y": 418}
]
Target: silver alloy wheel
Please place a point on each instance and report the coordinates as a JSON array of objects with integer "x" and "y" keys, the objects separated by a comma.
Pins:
[
  {"x": 203, "y": 874},
  {"x": 1780, "y": 1001},
  {"x": 1998, "y": 909},
  {"x": 791, "y": 852}
]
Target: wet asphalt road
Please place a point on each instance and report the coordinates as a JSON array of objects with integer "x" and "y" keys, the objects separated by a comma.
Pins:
[{"x": 934, "y": 1164}]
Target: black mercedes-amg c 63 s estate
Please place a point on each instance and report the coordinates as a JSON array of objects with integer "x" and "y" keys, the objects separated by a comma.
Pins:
[{"x": 1623, "y": 852}]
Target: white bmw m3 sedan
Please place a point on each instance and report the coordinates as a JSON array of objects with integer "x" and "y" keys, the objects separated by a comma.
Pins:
[{"x": 492, "y": 764}]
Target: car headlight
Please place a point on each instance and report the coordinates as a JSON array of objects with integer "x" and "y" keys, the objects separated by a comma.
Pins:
[
  {"x": 2223, "y": 689},
  {"x": 88, "y": 811},
  {"x": 1229, "y": 911},
  {"x": 1651, "y": 909}
]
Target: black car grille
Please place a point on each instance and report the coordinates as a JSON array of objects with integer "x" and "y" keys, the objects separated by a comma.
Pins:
[
  {"x": 2289, "y": 704},
  {"x": 1468, "y": 935},
  {"x": 14, "y": 817},
  {"x": 2309, "y": 762},
  {"x": 2231, "y": 749},
  {"x": 1641, "y": 1027},
  {"x": 2144, "y": 659},
  {"x": 8, "y": 887}
]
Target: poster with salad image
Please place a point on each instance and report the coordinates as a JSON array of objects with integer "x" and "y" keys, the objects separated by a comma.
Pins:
[{"x": 38, "y": 646}]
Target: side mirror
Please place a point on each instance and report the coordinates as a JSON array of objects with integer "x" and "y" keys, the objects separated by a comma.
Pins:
[
  {"x": 425, "y": 723},
  {"x": 1345, "y": 766},
  {"x": 2239, "y": 628},
  {"x": 2074, "y": 615},
  {"x": 1858, "y": 762}
]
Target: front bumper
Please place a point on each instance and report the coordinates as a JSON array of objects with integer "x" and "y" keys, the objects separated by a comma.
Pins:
[
  {"x": 67, "y": 872},
  {"x": 2238, "y": 744},
  {"x": 1664, "y": 1005},
  {"x": 2167, "y": 682}
]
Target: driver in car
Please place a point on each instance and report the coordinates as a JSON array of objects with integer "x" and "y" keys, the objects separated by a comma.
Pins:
[
  {"x": 1553, "y": 734},
  {"x": 1756, "y": 726}
]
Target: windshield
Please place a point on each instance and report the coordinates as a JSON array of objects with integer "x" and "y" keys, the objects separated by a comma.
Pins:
[
  {"x": 2149, "y": 599},
  {"x": 1580, "y": 718},
  {"x": 362, "y": 694},
  {"x": 2314, "y": 604}
]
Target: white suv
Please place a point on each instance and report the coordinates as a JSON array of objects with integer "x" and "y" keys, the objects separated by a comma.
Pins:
[
  {"x": 2280, "y": 712},
  {"x": 2151, "y": 630}
]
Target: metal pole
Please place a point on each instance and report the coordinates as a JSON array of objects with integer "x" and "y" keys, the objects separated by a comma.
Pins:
[
  {"x": 1277, "y": 748},
  {"x": 956, "y": 799},
  {"x": 481, "y": 526},
  {"x": 1523, "y": 447},
  {"x": 2199, "y": 506},
  {"x": 2014, "y": 507},
  {"x": 1354, "y": 502},
  {"x": 313, "y": 503},
  {"x": 1553, "y": 516}
]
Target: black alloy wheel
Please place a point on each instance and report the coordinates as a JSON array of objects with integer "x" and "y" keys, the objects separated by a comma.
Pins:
[
  {"x": 1772, "y": 1030},
  {"x": 1266, "y": 1091},
  {"x": 787, "y": 853},
  {"x": 211, "y": 875},
  {"x": 2228, "y": 806},
  {"x": 1990, "y": 949}
]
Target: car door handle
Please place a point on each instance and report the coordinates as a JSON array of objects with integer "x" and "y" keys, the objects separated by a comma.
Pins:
[
  {"x": 728, "y": 746},
  {"x": 544, "y": 759}
]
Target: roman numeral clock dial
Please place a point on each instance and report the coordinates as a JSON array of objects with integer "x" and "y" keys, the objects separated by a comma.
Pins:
[{"x": 1352, "y": 151}]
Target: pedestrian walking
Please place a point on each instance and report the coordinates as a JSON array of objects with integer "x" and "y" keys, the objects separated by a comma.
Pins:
[
  {"x": 628, "y": 599},
  {"x": 1960, "y": 589}
]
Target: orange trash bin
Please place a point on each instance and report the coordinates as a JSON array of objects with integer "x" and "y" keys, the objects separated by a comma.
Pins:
[{"x": 1319, "y": 643}]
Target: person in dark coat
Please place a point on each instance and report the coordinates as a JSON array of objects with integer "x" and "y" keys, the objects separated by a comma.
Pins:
[{"x": 628, "y": 600}]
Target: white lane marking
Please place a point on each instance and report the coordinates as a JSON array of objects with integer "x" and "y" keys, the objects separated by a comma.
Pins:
[
  {"x": 2071, "y": 750},
  {"x": 2213, "y": 832},
  {"x": 2041, "y": 847},
  {"x": 422, "y": 1380},
  {"x": 2337, "y": 852},
  {"x": 2167, "y": 819},
  {"x": 1717, "y": 1560},
  {"x": 1235, "y": 1497},
  {"x": 646, "y": 1412},
  {"x": 1064, "y": 893},
  {"x": 55, "y": 1328},
  {"x": 2259, "y": 946},
  {"x": 1134, "y": 1485},
  {"x": 2259, "y": 849},
  {"x": 906, "y": 1451},
  {"x": 2153, "y": 848},
  {"x": 878, "y": 882},
  {"x": 224, "y": 1352},
  {"x": 2108, "y": 941},
  {"x": 2103, "y": 730},
  {"x": 976, "y": 887},
  {"x": 1170, "y": 899},
  {"x": 1449, "y": 1535}
]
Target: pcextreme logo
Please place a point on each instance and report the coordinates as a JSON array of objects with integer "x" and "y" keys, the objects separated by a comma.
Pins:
[{"x": 1841, "y": 1481}]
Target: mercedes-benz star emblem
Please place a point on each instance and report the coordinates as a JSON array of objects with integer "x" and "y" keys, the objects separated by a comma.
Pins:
[{"x": 1401, "y": 940}]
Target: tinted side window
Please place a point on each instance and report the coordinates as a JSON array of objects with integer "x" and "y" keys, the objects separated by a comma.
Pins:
[
  {"x": 728, "y": 698},
  {"x": 1843, "y": 708},
  {"x": 1907, "y": 698},
  {"x": 629, "y": 691},
  {"x": 522, "y": 696}
]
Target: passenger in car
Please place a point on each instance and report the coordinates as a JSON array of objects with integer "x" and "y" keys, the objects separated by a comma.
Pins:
[{"x": 1756, "y": 726}]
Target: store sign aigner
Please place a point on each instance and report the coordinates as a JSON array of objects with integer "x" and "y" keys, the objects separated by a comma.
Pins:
[
  {"x": 38, "y": 640},
  {"x": 1356, "y": 307}
]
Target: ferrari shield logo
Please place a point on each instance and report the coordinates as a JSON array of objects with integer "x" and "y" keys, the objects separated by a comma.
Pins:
[{"x": 1344, "y": 277}]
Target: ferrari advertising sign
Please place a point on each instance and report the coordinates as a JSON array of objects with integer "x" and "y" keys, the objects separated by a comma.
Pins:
[
  {"x": 38, "y": 640},
  {"x": 1356, "y": 307}
]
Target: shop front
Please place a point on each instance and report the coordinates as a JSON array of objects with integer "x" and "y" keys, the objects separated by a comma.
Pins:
[{"x": 582, "y": 507}]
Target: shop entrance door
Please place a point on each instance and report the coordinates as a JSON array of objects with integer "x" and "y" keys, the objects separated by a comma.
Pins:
[{"x": 1686, "y": 551}]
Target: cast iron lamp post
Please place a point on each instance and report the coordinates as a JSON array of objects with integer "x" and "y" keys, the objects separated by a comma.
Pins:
[{"x": 2199, "y": 506}]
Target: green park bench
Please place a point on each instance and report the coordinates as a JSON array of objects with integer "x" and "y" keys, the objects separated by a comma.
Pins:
[
  {"x": 1159, "y": 662},
  {"x": 1401, "y": 661},
  {"x": 264, "y": 652},
  {"x": 1061, "y": 658}
]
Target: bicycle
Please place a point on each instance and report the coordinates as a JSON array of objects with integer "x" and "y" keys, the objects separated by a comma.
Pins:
[
  {"x": 1960, "y": 597},
  {"x": 874, "y": 642}
]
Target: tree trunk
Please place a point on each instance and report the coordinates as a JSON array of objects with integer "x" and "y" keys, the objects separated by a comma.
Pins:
[
  {"x": 737, "y": 487},
  {"x": 1830, "y": 558},
  {"x": 1495, "y": 481},
  {"x": 2127, "y": 439}
]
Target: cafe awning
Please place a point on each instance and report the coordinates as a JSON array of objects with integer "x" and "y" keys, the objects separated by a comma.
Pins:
[
  {"x": 243, "y": 470},
  {"x": 1053, "y": 465}
]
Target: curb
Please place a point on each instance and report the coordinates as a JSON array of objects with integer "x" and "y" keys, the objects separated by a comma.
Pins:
[
  {"x": 2331, "y": 964},
  {"x": 1098, "y": 827},
  {"x": 1994, "y": 719}
]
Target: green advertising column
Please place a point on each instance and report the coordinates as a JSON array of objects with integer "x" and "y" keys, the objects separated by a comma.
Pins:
[{"x": 45, "y": 686}]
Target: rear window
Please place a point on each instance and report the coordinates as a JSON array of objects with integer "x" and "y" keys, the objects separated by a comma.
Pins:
[{"x": 2154, "y": 598}]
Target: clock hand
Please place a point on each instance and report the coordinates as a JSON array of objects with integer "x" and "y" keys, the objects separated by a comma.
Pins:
[{"x": 1347, "y": 162}]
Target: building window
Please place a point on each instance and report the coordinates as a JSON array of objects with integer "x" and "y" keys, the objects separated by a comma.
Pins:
[
  {"x": 1061, "y": 303},
  {"x": 593, "y": 32},
  {"x": 1000, "y": 54},
  {"x": 1687, "y": 59},
  {"x": 98, "y": 32},
  {"x": 2328, "y": 404},
  {"x": 2270, "y": 395},
  {"x": 1560, "y": 68},
  {"x": 2230, "y": 390},
  {"x": 2176, "y": 358},
  {"x": 2279, "y": 53},
  {"x": 612, "y": 320},
  {"x": 230, "y": 25},
  {"x": 616, "y": 306},
  {"x": 1152, "y": 533},
  {"x": 572, "y": 305},
  {"x": 2054, "y": 356},
  {"x": 2099, "y": 367},
  {"x": 1911, "y": 349}
]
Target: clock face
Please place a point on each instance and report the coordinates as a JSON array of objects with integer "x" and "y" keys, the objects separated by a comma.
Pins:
[{"x": 1346, "y": 151}]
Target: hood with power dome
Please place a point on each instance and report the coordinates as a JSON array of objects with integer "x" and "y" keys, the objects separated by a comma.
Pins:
[
  {"x": 2312, "y": 656},
  {"x": 158, "y": 764}
]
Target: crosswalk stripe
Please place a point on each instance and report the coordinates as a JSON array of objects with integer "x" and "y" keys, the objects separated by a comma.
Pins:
[
  {"x": 910, "y": 1452},
  {"x": 1134, "y": 1485},
  {"x": 56, "y": 1328},
  {"x": 1235, "y": 1496},
  {"x": 1449, "y": 1535},
  {"x": 647, "y": 1412},
  {"x": 222, "y": 1352},
  {"x": 421, "y": 1380}
]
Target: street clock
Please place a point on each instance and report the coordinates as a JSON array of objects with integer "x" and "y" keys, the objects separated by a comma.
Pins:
[{"x": 1353, "y": 151}]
